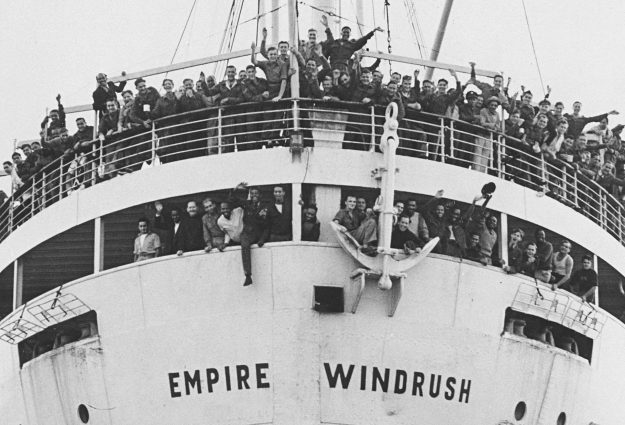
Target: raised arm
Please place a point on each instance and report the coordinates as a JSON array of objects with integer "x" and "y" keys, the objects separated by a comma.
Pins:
[
  {"x": 263, "y": 44},
  {"x": 253, "y": 58}
]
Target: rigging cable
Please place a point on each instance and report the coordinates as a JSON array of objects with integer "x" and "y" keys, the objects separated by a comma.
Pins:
[
  {"x": 388, "y": 34},
  {"x": 533, "y": 47},
  {"x": 182, "y": 34},
  {"x": 409, "y": 5},
  {"x": 358, "y": 24},
  {"x": 375, "y": 25}
]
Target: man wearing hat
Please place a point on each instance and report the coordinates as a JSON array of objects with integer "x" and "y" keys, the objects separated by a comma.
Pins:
[
  {"x": 489, "y": 119},
  {"x": 106, "y": 90},
  {"x": 339, "y": 51},
  {"x": 469, "y": 113}
]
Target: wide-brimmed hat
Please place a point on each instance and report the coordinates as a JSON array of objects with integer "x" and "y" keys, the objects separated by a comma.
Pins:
[{"x": 493, "y": 99}]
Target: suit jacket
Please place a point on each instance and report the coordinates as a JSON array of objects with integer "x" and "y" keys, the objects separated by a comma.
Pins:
[
  {"x": 189, "y": 236},
  {"x": 280, "y": 223}
]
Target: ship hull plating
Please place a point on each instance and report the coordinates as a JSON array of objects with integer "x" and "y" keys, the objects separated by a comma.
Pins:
[{"x": 181, "y": 341}]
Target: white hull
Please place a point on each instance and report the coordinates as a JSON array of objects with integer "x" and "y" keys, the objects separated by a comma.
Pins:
[{"x": 176, "y": 315}]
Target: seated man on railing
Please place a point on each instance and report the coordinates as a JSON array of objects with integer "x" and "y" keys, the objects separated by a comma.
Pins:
[
  {"x": 583, "y": 281},
  {"x": 55, "y": 120},
  {"x": 230, "y": 222},
  {"x": 339, "y": 51},
  {"x": 106, "y": 90}
]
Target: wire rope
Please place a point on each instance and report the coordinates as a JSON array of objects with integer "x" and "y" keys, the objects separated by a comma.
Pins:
[{"x": 529, "y": 30}]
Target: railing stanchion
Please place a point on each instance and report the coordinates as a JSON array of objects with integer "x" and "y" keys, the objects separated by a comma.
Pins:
[
  {"x": 501, "y": 146},
  {"x": 295, "y": 116},
  {"x": 100, "y": 158},
  {"x": 61, "y": 179},
  {"x": 43, "y": 191},
  {"x": 372, "y": 142},
  {"x": 451, "y": 139},
  {"x": 11, "y": 208},
  {"x": 219, "y": 131},
  {"x": 153, "y": 142},
  {"x": 441, "y": 139}
]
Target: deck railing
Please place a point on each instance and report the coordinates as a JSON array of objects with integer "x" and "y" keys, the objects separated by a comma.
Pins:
[{"x": 340, "y": 125}]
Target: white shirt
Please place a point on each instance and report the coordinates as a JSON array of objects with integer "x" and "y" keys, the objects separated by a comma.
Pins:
[{"x": 232, "y": 226}]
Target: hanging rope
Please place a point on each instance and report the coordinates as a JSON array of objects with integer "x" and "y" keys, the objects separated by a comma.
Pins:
[
  {"x": 182, "y": 34},
  {"x": 540, "y": 75},
  {"x": 388, "y": 34}
]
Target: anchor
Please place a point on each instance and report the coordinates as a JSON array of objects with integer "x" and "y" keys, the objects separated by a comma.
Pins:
[{"x": 389, "y": 263}]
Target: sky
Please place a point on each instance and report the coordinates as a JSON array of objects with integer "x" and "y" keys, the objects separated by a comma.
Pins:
[{"x": 58, "y": 46}]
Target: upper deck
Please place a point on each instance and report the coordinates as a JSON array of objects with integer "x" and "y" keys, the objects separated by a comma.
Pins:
[{"x": 325, "y": 145}]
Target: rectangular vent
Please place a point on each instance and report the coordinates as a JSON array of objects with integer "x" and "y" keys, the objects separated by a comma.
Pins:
[{"x": 329, "y": 299}]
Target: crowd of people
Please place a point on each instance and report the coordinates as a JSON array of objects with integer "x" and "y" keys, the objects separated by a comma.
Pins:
[
  {"x": 243, "y": 218},
  {"x": 329, "y": 70}
]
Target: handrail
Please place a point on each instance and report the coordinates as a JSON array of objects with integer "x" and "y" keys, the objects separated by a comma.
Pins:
[{"x": 348, "y": 125}]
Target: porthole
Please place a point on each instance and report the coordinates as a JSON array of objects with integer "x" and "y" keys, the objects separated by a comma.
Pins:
[
  {"x": 83, "y": 413},
  {"x": 519, "y": 410},
  {"x": 561, "y": 419}
]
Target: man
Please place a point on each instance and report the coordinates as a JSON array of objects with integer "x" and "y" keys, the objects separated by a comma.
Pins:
[
  {"x": 552, "y": 145},
  {"x": 577, "y": 122},
  {"x": 230, "y": 222},
  {"x": 144, "y": 104},
  {"x": 454, "y": 237},
  {"x": 309, "y": 48},
  {"x": 526, "y": 264},
  {"x": 107, "y": 134},
  {"x": 276, "y": 74},
  {"x": 485, "y": 225},
  {"x": 404, "y": 239},
  {"x": 544, "y": 256},
  {"x": 54, "y": 120},
  {"x": 183, "y": 234},
  {"x": 489, "y": 119},
  {"x": 22, "y": 168},
  {"x": 194, "y": 227},
  {"x": 366, "y": 94},
  {"x": 105, "y": 91},
  {"x": 389, "y": 94},
  {"x": 473, "y": 251},
  {"x": 417, "y": 222},
  {"x": 213, "y": 234},
  {"x": 147, "y": 243},
  {"x": 363, "y": 231},
  {"x": 433, "y": 213},
  {"x": 468, "y": 113},
  {"x": 339, "y": 51},
  {"x": 16, "y": 182},
  {"x": 255, "y": 89},
  {"x": 487, "y": 90},
  {"x": 254, "y": 226},
  {"x": 283, "y": 49},
  {"x": 311, "y": 228},
  {"x": 584, "y": 281},
  {"x": 309, "y": 80},
  {"x": 279, "y": 226},
  {"x": 562, "y": 265},
  {"x": 230, "y": 93}
]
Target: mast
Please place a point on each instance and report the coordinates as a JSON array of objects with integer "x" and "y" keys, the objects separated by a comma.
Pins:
[
  {"x": 442, "y": 25},
  {"x": 293, "y": 41},
  {"x": 275, "y": 22}
]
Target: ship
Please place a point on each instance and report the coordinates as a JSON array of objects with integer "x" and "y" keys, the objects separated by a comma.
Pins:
[{"x": 326, "y": 334}]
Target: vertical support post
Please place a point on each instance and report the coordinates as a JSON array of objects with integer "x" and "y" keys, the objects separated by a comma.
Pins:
[
  {"x": 98, "y": 245},
  {"x": 595, "y": 266},
  {"x": 153, "y": 142},
  {"x": 296, "y": 209},
  {"x": 295, "y": 116},
  {"x": 503, "y": 239},
  {"x": 441, "y": 139},
  {"x": 44, "y": 195},
  {"x": 372, "y": 142},
  {"x": 219, "y": 130},
  {"x": 275, "y": 24},
  {"x": 491, "y": 156},
  {"x": 61, "y": 179},
  {"x": 575, "y": 191},
  {"x": 33, "y": 197},
  {"x": 293, "y": 41},
  {"x": 500, "y": 153},
  {"x": 436, "y": 47},
  {"x": 451, "y": 139},
  {"x": 18, "y": 283},
  {"x": 328, "y": 200}
]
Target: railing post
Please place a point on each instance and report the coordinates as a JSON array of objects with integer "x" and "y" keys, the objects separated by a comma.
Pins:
[
  {"x": 491, "y": 156},
  {"x": 154, "y": 140},
  {"x": 372, "y": 142},
  {"x": 500, "y": 153},
  {"x": 61, "y": 179},
  {"x": 43, "y": 190},
  {"x": 295, "y": 116},
  {"x": 101, "y": 158},
  {"x": 33, "y": 196},
  {"x": 451, "y": 139},
  {"x": 543, "y": 173},
  {"x": 575, "y": 190},
  {"x": 602, "y": 209},
  {"x": 11, "y": 207},
  {"x": 219, "y": 130},
  {"x": 441, "y": 139}
]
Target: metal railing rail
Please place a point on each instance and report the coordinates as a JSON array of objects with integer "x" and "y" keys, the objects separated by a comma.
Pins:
[{"x": 347, "y": 125}]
